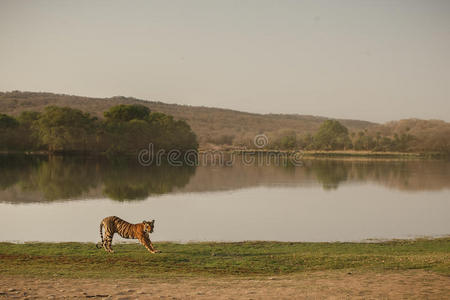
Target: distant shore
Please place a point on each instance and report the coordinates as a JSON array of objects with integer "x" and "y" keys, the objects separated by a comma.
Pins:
[
  {"x": 301, "y": 153},
  {"x": 331, "y": 153}
]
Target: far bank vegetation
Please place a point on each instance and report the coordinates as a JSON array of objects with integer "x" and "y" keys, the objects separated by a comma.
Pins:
[
  {"x": 216, "y": 128},
  {"x": 125, "y": 129}
]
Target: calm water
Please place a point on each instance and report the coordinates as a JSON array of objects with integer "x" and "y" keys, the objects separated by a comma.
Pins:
[{"x": 64, "y": 199}]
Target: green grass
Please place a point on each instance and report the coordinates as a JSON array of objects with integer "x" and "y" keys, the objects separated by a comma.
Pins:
[{"x": 83, "y": 260}]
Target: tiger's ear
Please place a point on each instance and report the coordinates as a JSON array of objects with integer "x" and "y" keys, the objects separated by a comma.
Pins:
[
  {"x": 153, "y": 222},
  {"x": 144, "y": 221}
]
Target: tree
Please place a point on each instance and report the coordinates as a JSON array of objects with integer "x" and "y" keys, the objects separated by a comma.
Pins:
[
  {"x": 332, "y": 135},
  {"x": 403, "y": 141},
  {"x": 125, "y": 113},
  {"x": 28, "y": 117},
  {"x": 8, "y": 133},
  {"x": 130, "y": 128},
  {"x": 66, "y": 129},
  {"x": 7, "y": 122},
  {"x": 288, "y": 142},
  {"x": 28, "y": 130}
]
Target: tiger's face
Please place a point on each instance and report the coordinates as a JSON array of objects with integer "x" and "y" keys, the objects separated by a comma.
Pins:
[{"x": 149, "y": 226}]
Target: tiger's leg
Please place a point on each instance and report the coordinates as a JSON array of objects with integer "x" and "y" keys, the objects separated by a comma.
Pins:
[
  {"x": 109, "y": 244},
  {"x": 108, "y": 240},
  {"x": 105, "y": 243},
  {"x": 106, "y": 237},
  {"x": 145, "y": 240}
]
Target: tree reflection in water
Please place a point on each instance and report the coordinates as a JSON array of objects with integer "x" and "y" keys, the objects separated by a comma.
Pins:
[
  {"x": 74, "y": 177},
  {"x": 27, "y": 179}
]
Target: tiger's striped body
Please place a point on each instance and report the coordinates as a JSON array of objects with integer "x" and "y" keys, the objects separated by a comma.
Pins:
[{"x": 126, "y": 230}]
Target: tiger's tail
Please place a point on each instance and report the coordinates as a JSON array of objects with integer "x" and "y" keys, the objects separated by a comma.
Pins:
[{"x": 98, "y": 245}]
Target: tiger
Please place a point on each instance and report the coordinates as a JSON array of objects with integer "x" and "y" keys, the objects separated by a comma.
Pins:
[{"x": 126, "y": 230}]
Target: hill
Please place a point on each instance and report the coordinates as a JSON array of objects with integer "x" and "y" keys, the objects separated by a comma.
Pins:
[
  {"x": 427, "y": 135},
  {"x": 212, "y": 125}
]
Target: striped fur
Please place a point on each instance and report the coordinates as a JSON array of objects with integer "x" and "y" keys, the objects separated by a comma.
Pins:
[{"x": 126, "y": 230}]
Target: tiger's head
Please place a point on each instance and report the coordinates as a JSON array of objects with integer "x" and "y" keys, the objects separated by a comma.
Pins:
[{"x": 149, "y": 226}]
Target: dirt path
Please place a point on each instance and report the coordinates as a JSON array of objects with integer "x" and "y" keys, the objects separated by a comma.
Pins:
[{"x": 317, "y": 285}]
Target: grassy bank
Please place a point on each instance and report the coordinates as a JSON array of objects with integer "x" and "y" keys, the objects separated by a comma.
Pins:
[
  {"x": 83, "y": 260},
  {"x": 347, "y": 153}
]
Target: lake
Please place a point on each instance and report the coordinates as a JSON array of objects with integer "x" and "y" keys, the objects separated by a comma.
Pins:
[{"x": 64, "y": 199}]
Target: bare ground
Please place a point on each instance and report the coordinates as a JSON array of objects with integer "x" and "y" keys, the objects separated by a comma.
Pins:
[{"x": 414, "y": 284}]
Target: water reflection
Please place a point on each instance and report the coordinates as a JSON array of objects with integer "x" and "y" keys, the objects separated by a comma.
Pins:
[
  {"x": 39, "y": 178},
  {"x": 330, "y": 173},
  {"x": 125, "y": 180},
  {"x": 26, "y": 179}
]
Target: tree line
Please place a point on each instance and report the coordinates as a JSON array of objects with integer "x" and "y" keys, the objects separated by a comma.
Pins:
[
  {"x": 129, "y": 128},
  {"x": 125, "y": 129},
  {"x": 332, "y": 135},
  {"x": 211, "y": 125},
  {"x": 221, "y": 128}
]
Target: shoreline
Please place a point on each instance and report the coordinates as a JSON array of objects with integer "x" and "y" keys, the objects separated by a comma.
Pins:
[
  {"x": 228, "y": 242},
  {"x": 331, "y": 153},
  {"x": 302, "y": 153}
]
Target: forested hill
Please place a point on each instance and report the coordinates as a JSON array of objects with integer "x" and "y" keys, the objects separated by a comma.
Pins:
[{"x": 218, "y": 126}]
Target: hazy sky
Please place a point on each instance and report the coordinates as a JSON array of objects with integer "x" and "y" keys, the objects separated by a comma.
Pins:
[{"x": 373, "y": 60}]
